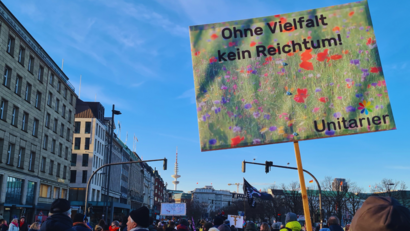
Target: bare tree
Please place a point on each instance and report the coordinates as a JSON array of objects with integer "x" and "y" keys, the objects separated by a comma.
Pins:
[
  {"x": 354, "y": 199},
  {"x": 386, "y": 186},
  {"x": 313, "y": 200},
  {"x": 335, "y": 199},
  {"x": 293, "y": 199}
]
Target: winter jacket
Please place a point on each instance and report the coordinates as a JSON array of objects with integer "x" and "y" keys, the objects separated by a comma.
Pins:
[
  {"x": 335, "y": 228},
  {"x": 58, "y": 222},
  {"x": 182, "y": 228},
  {"x": 4, "y": 227},
  {"x": 292, "y": 225},
  {"x": 23, "y": 227},
  {"x": 114, "y": 228},
  {"x": 13, "y": 227},
  {"x": 80, "y": 226}
]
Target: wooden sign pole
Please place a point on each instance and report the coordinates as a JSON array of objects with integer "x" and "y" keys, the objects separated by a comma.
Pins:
[{"x": 303, "y": 187}]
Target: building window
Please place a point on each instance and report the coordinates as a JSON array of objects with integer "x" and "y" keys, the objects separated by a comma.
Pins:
[
  {"x": 40, "y": 74},
  {"x": 73, "y": 176},
  {"x": 38, "y": 100},
  {"x": 69, "y": 116},
  {"x": 77, "y": 127},
  {"x": 47, "y": 124},
  {"x": 3, "y": 109},
  {"x": 60, "y": 149},
  {"x": 77, "y": 143},
  {"x": 14, "y": 190},
  {"x": 71, "y": 99},
  {"x": 45, "y": 191},
  {"x": 53, "y": 146},
  {"x": 10, "y": 45},
  {"x": 64, "y": 173},
  {"x": 51, "y": 80},
  {"x": 87, "y": 144},
  {"x": 87, "y": 127},
  {"x": 21, "y": 55},
  {"x": 73, "y": 159},
  {"x": 43, "y": 164},
  {"x": 63, "y": 111},
  {"x": 31, "y": 189},
  {"x": 85, "y": 178},
  {"x": 55, "y": 125},
  {"x": 50, "y": 99},
  {"x": 62, "y": 130},
  {"x": 30, "y": 64},
  {"x": 24, "y": 122},
  {"x": 85, "y": 160},
  {"x": 14, "y": 116},
  {"x": 27, "y": 94},
  {"x": 57, "y": 105},
  {"x": 20, "y": 158},
  {"x": 68, "y": 134},
  {"x": 58, "y": 170},
  {"x": 45, "y": 142},
  {"x": 51, "y": 168},
  {"x": 66, "y": 153},
  {"x": 31, "y": 161},
  {"x": 7, "y": 77},
  {"x": 35, "y": 127},
  {"x": 17, "y": 86},
  {"x": 59, "y": 86},
  {"x": 10, "y": 154},
  {"x": 65, "y": 93}
]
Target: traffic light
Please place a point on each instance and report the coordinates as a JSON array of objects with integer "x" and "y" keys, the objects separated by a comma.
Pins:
[
  {"x": 243, "y": 166},
  {"x": 267, "y": 165},
  {"x": 165, "y": 163}
]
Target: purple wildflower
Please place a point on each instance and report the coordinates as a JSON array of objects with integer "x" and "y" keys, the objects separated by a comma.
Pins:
[
  {"x": 224, "y": 87},
  {"x": 272, "y": 128},
  {"x": 337, "y": 115},
  {"x": 267, "y": 116},
  {"x": 256, "y": 141},
  {"x": 348, "y": 80},
  {"x": 212, "y": 141},
  {"x": 329, "y": 133},
  {"x": 223, "y": 101},
  {"x": 217, "y": 110},
  {"x": 217, "y": 102},
  {"x": 236, "y": 129},
  {"x": 350, "y": 109},
  {"x": 256, "y": 114},
  {"x": 248, "y": 106},
  {"x": 355, "y": 62},
  {"x": 224, "y": 68},
  {"x": 199, "y": 109},
  {"x": 374, "y": 84},
  {"x": 331, "y": 84},
  {"x": 254, "y": 72},
  {"x": 318, "y": 90}
]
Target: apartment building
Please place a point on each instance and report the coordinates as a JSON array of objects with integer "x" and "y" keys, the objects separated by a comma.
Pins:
[{"x": 37, "y": 104}]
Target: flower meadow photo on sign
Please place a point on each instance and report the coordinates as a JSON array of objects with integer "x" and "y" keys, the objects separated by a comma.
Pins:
[{"x": 283, "y": 78}]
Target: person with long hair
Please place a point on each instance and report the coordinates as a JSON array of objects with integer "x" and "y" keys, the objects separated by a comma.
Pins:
[
  {"x": 265, "y": 227},
  {"x": 3, "y": 225}
]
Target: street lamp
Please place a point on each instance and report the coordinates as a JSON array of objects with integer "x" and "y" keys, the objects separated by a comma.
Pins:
[
  {"x": 114, "y": 112},
  {"x": 388, "y": 188}
]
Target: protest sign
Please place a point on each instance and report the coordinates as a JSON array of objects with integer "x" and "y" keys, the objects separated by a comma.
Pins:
[
  {"x": 236, "y": 221},
  {"x": 289, "y": 77},
  {"x": 173, "y": 209}
]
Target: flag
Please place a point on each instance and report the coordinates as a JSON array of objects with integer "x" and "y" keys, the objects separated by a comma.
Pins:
[
  {"x": 341, "y": 183},
  {"x": 311, "y": 181},
  {"x": 251, "y": 192}
]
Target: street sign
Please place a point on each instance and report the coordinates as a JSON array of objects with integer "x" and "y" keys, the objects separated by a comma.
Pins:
[{"x": 283, "y": 78}]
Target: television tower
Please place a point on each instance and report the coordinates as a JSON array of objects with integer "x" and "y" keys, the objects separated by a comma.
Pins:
[{"x": 176, "y": 176}]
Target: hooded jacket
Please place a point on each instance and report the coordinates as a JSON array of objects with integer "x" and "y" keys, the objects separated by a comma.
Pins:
[
  {"x": 58, "y": 222},
  {"x": 292, "y": 225}
]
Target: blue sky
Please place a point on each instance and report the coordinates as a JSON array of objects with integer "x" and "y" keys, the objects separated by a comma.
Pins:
[{"x": 136, "y": 55}]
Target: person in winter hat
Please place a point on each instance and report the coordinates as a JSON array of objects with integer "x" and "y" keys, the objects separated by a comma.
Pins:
[
  {"x": 14, "y": 226},
  {"x": 184, "y": 226},
  {"x": 250, "y": 227},
  {"x": 138, "y": 220},
  {"x": 333, "y": 224},
  {"x": 115, "y": 226},
  {"x": 59, "y": 217},
  {"x": 381, "y": 214},
  {"x": 23, "y": 224},
  {"x": 224, "y": 227},
  {"x": 79, "y": 224},
  {"x": 291, "y": 223}
]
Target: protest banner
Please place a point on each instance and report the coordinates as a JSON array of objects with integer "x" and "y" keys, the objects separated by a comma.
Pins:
[
  {"x": 284, "y": 78},
  {"x": 173, "y": 209},
  {"x": 236, "y": 221}
]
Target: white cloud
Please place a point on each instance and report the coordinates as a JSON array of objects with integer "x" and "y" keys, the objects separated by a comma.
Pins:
[{"x": 189, "y": 94}]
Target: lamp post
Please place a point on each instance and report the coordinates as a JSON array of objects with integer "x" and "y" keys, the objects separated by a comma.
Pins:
[
  {"x": 388, "y": 188},
  {"x": 114, "y": 112}
]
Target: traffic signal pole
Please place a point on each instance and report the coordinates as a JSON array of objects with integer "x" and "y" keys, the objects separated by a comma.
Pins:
[
  {"x": 119, "y": 163},
  {"x": 270, "y": 164}
]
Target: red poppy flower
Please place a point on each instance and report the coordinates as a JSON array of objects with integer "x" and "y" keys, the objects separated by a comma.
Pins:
[
  {"x": 336, "y": 28},
  {"x": 290, "y": 54},
  {"x": 214, "y": 36},
  {"x": 375, "y": 69},
  {"x": 351, "y": 13},
  {"x": 301, "y": 95},
  {"x": 283, "y": 20},
  {"x": 197, "y": 53},
  {"x": 277, "y": 16},
  {"x": 306, "y": 65},
  {"x": 270, "y": 46},
  {"x": 231, "y": 44},
  {"x": 335, "y": 57},
  {"x": 322, "y": 56},
  {"x": 370, "y": 41},
  {"x": 236, "y": 140},
  {"x": 345, "y": 52},
  {"x": 306, "y": 55},
  {"x": 253, "y": 44},
  {"x": 268, "y": 59},
  {"x": 323, "y": 99}
]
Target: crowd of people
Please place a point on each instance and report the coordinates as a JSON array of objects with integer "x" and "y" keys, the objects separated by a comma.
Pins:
[{"x": 376, "y": 214}]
